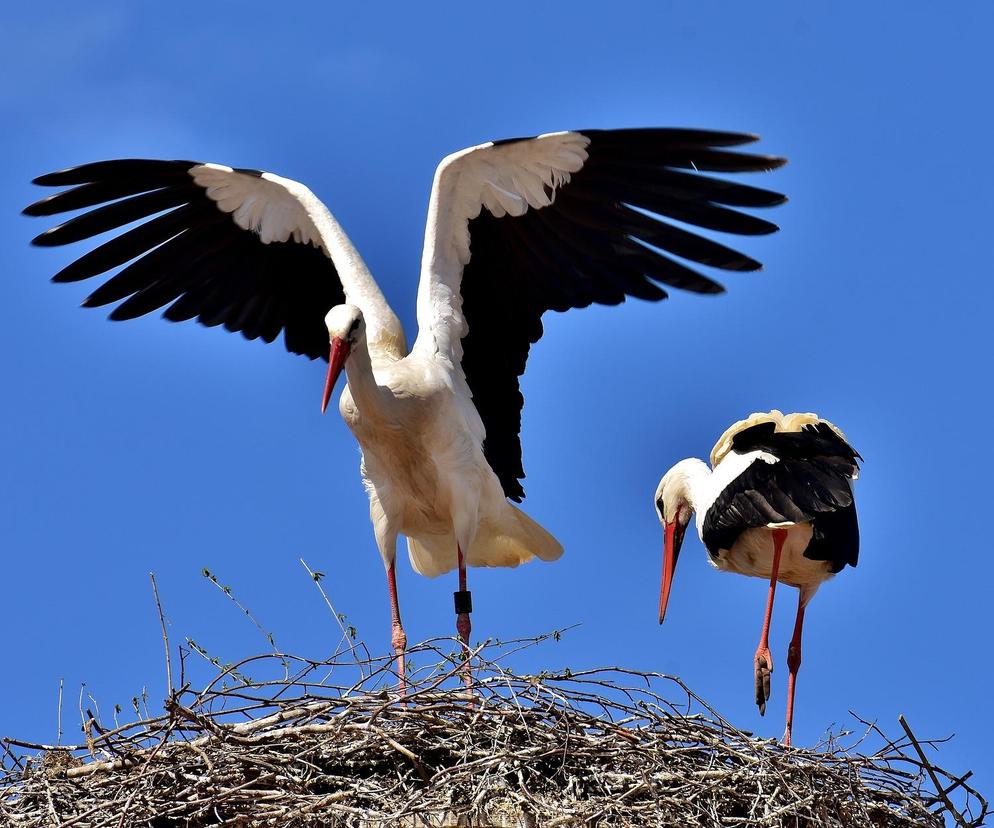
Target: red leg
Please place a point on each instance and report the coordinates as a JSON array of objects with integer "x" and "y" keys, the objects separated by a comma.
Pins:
[
  {"x": 793, "y": 664},
  {"x": 763, "y": 660},
  {"x": 399, "y": 637},
  {"x": 464, "y": 606}
]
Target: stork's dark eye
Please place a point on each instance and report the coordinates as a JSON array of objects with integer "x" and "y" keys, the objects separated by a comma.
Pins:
[{"x": 354, "y": 325}]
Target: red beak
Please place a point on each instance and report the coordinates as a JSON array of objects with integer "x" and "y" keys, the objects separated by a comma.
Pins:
[
  {"x": 336, "y": 362},
  {"x": 672, "y": 542}
]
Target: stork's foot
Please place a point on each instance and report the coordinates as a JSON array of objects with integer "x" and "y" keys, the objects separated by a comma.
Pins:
[{"x": 763, "y": 667}]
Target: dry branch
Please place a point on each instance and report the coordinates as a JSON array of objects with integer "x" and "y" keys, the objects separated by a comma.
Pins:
[{"x": 603, "y": 747}]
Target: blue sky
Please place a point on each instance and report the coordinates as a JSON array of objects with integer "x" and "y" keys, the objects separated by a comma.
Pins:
[{"x": 146, "y": 445}]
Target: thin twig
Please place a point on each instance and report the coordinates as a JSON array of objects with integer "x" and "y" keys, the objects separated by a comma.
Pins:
[
  {"x": 931, "y": 772},
  {"x": 210, "y": 576},
  {"x": 569, "y": 749},
  {"x": 316, "y": 578},
  {"x": 165, "y": 637},
  {"x": 58, "y": 738}
]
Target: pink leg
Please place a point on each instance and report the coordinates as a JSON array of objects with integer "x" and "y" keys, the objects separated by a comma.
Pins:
[
  {"x": 399, "y": 637},
  {"x": 793, "y": 664},
  {"x": 464, "y": 606},
  {"x": 763, "y": 660}
]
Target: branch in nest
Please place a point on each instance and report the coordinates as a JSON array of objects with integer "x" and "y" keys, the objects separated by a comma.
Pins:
[{"x": 561, "y": 748}]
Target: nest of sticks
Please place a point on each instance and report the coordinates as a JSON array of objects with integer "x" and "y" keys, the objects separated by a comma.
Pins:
[{"x": 333, "y": 743}]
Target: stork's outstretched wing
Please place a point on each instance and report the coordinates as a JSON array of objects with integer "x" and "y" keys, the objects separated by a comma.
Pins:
[
  {"x": 519, "y": 227},
  {"x": 247, "y": 249}
]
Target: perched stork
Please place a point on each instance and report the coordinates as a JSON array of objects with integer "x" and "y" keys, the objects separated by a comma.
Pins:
[
  {"x": 515, "y": 228},
  {"x": 776, "y": 503}
]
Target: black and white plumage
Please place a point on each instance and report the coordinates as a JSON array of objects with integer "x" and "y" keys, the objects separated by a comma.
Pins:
[
  {"x": 515, "y": 228},
  {"x": 809, "y": 482},
  {"x": 777, "y": 502}
]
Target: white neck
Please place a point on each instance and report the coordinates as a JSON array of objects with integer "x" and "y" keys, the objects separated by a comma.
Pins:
[
  {"x": 382, "y": 325},
  {"x": 371, "y": 398}
]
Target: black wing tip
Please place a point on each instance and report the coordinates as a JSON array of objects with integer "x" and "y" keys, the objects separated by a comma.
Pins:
[
  {"x": 39, "y": 207},
  {"x": 53, "y": 179},
  {"x": 690, "y": 138},
  {"x": 739, "y": 137},
  {"x": 747, "y": 265},
  {"x": 68, "y": 275},
  {"x": 679, "y": 135},
  {"x": 117, "y": 316},
  {"x": 740, "y": 263},
  {"x": 91, "y": 301},
  {"x": 730, "y": 138},
  {"x": 49, "y": 238},
  {"x": 775, "y": 162},
  {"x": 774, "y": 199},
  {"x": 79, "y": 174},
  {"x": 111, "y": 168},
  {"x": 750, "y": 225}
]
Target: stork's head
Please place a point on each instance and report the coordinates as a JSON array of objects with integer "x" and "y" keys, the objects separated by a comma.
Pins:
[
  {"x": 346, "y": 328},
  {"x": 675, "y": 507}
]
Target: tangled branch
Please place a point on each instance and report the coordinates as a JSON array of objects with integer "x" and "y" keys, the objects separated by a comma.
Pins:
[{"x": 600, "y": 747}]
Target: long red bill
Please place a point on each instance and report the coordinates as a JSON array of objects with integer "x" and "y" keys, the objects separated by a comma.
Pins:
[
  {"x": 672, "y": 541},
  {"x": 336, "y": 362}
]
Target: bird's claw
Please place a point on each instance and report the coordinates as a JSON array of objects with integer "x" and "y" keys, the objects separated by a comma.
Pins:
[{"x": 763, "y": 669}]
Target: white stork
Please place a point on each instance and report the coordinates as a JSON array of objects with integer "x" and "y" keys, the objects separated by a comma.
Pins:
[
  {"x": 515, "y": 228},
  {"x": 777, "y": 503}
]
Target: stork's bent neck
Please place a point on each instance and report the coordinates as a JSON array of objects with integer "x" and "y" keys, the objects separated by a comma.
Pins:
[
  {"x": 383, "y": 326},
  {"x": 371, "y": 398}
]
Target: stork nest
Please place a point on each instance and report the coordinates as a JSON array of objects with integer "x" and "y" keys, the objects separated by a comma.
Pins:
[{"x": 599, "y": 747}]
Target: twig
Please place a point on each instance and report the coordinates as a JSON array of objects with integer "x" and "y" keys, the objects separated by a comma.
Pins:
[
  {"x": 58, "y": 738},
  {"x": 210, "y": 576},
  {"x": 165, "y": 637},
  {"x": 931, "y": 772},
  {"x": 606, "y": 746},
  {"x": 315, "y": 577}
]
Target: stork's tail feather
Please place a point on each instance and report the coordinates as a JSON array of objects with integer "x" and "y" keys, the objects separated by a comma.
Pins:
[
  {"x": 510, "y": 540},
  {"x": 516, "y": 536}
]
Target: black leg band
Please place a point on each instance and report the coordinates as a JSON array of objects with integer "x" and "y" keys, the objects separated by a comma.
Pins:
[{"x": 464, "y": 601}]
